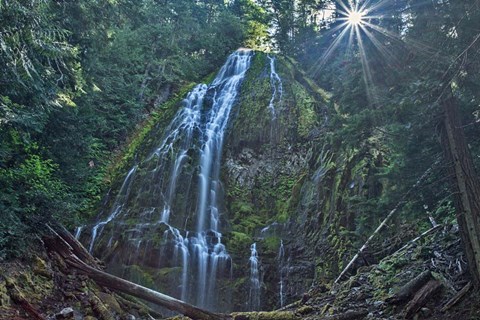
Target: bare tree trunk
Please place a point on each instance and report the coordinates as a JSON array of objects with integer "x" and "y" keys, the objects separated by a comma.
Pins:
[
  {"x": 465, "y": 184},
  {"x": 410, "y": 288},
  {"x": 384, "y": 223}
]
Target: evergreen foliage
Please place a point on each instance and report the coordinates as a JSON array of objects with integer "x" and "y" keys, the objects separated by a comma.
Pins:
[{"x": 76, "y": 79}]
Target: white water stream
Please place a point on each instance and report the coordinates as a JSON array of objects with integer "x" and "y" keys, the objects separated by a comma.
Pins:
[{"x": 190, "y": 150}]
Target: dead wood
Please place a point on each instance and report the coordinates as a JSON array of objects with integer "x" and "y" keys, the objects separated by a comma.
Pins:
[
  {"x": 137, "y": 305},
  {"x": 426, "y": 233},
  {"x": 422, "y": 297},
  {"x": 384, "y": 222},
  {"x": 457, "y": 297},
  {"x": 78, "y": 249},
  {"x": 19, "y": 299},
  {"x": 410, "y": 288},
  {"x": 349, "y": 315},
  {"x": 58, "y": 244},
  {"x": 265, "y": 315}
]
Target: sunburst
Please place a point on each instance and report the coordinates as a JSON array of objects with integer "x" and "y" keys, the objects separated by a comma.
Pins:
[
  {"x": 355, "y": 17},
  {"x": 358, "y": 22}
]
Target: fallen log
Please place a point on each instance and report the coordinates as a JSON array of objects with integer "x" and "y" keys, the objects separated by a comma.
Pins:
[
  {"x": 58, "y": 244},
  {"x": 124, "y": 300},
  {"x": 422, "y": 297},
  {"x": 77, "y": 247},
  {"x": 457, "y": 297},
  {"x": 19, "y": 298},
  {"x": 263, "y": 315},
  {"x": 384, "y": 222},
  {"x": 289, "y": 315},
  {"x": 411, "y": 242},
  {"x": 367, "y": 243},
  {"x": 349, "y": 315},
  {"x": 410, "y": 288}
]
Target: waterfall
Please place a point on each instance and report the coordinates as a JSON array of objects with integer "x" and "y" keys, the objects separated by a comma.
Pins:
[
  {"x": 277, "y": 88},
  {"x": 254, "y": 293},
  {"x": 117, "y": 207},
  {"x": 226, "y": 86},
  {"x": 78, "y": 232},
  {"x": 281, "y": 262},
  {"x": 179, "y": 178}
]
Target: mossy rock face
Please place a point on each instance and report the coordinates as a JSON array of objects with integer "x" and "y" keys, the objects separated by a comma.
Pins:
[
  {"x": 237, "y": 242},
  {"x": 266, "y": 163}
]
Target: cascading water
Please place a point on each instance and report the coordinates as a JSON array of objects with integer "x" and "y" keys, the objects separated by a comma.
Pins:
[
  {"x": 281, "y": 262},
  {"x": 277, "y": 88},
  {"x": 117, "y": 207},
  {"x": 78, "y": 232},
  {"x": 254, "y": 293},
  {"x": 165, "y": 184}
]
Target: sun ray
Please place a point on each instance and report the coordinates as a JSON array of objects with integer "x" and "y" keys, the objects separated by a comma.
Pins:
[
  {"x": 320, "y": 62},
  {"x": 367, "y": 75},
  {"x": 323, "y": 59},
  {"x": 344, "y": 6},
  {"x": 384, "y": 51},
  {"x": 358, "y": 22},
  {"x": 413, "y": 45}
]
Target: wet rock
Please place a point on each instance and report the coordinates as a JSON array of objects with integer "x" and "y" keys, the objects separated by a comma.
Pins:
[
  {"x": 378, "y": 304},
  {"x": 66, "y": 313}
]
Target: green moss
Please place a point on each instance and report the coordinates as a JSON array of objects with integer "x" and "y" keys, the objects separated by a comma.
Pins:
[
  {"x": 238, "y": 242},
  {"x": 288, "y": 196},
  {"x": 138, "y": 275},
  {"x": 159, "y": 118},
  {"x": 305, "y": 310},
  {"x": 253, "y": 120},
  {"x": 159, "y": 279},
  {"x": 248, "y": 224},
  {"x": 306, "y": 114},
  {"x": 4, "y": 296},
  {"x": 272, "y": 243},
  {"x": 242, "y": 208}
]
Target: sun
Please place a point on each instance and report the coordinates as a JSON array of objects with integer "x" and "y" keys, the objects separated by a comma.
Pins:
[
  {"x": 354, "y": 18},
  {"x": 355, "y": 23}
]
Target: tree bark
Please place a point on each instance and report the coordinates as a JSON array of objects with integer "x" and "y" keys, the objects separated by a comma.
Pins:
[
  {"x": 422, "y": 297},
  {"x": 410, "y": 288},
  {"x": 384, "y": 222},
  {"x": 465, "y": 183},
  {"x": 19, "y": 298},
  {"x": 457, "y": 297}
]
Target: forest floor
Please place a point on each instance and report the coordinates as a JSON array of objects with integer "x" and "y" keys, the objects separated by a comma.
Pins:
[{"x": 418, "y": 281}]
